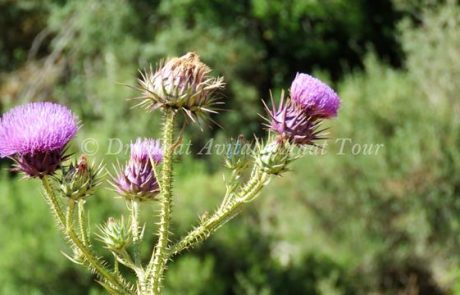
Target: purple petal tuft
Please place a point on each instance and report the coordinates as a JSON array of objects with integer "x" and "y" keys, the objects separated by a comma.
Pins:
[
  {"x": 39, "y": 127},
  {"x": 144, "y": 149},
  {"x": 314, "y": 96}
]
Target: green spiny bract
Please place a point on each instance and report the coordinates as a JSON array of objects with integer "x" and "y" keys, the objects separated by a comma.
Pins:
[
  {"x": 238, "y": 155},
  {"x": 79, "y": 179},
  {"x": 116, "y": 234},
  {"x": 273, "y": 157}
]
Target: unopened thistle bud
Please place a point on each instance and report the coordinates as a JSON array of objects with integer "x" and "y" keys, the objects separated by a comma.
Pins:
[
  {"x": 80, "y": 179},
  {"x": 116, "y": 234},
  {"x": 182, "y": 83},
  {"x": 273, "y": 158},
  {"x": 137, "y": 180},
  {"x": 238, "y": 154},
  {"x": 35, "y": 135}
]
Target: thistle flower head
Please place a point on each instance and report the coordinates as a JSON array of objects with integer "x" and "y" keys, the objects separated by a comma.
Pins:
[
  {"x": 137, "y": 180},
  {"x": 35, "y": 135},
  {"x": 182, "y": 83},
  {"x": 291, "y": 123},
  {"x": 80, "y": 178},
  {"x": 315, "y": 97}
]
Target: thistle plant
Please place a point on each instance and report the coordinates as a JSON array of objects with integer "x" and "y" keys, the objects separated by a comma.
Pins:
[{"x": 35, "y": 137}]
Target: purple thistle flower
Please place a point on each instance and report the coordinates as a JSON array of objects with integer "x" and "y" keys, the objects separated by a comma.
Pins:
[
  {"x": 35, "y": 136},
  {"x": 138, "y": 180},
  {"x": 291, "y": 123},
  {"x": 315, "y": 97}
]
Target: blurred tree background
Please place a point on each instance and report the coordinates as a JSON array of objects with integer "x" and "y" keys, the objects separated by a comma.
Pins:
[{"x": 340, "y": 223}]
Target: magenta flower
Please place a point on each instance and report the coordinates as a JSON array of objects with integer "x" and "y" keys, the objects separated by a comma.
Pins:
[
  {"x": 138, "y": 180},
  {"x": 35, "y": 136},
  {"x": 292, "y": 124},
  {"x": 315, "y": 97}
]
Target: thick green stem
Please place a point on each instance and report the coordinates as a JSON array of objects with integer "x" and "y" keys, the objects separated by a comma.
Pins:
[
  {"x": 82, "y": 222},
  {"x": 116, "y": 267},
  {"x": 135, "y": 228},
  {"x": 53, "y": 202},
  {"x": 92, "y": 260},
  {"x": 233, "y": 207},
  {"x": 159, "y": 257},
  {"x": 69, "y": 215}
]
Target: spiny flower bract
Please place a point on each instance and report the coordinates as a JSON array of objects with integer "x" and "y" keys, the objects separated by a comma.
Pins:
[
  {"x": 181, "y": 83},
  {"x": 115, "y": 234},
  {"x": 35, "y": 136},
  {"x": 291, "y": 123},
  {"x": 273, "y": 157},
  {"x": 238, "y": 154}
]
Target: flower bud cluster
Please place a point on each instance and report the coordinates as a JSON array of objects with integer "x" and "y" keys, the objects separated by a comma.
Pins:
[{"x": 35, "y": 136}]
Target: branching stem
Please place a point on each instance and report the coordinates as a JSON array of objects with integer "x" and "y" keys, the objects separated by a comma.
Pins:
[
  {"x": 92, "y": 260},
  {"x": 224, "y": 214}
]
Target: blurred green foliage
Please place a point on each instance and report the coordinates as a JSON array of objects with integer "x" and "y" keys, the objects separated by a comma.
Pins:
[{"x": 340, "y": 223}]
